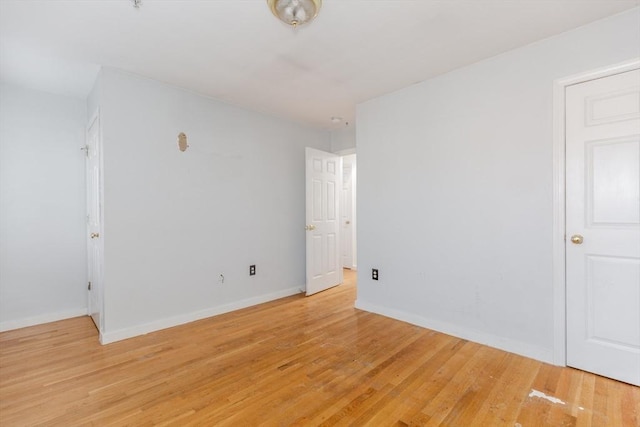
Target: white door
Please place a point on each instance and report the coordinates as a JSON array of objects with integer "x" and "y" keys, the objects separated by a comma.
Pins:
[
  {"x": 94, "y": 221},
  {"x": 603, "y": 226},
  {"x": 323, "y": 184},
  {"x": 347, "y": 214}
]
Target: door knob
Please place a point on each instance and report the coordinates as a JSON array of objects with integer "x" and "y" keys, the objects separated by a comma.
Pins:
[
  {"x": 310, "y": 227},
  {"x": 577, "y": 239},
  {"x": 348, "y": 222},
  {"x": 95, "y": 235}
]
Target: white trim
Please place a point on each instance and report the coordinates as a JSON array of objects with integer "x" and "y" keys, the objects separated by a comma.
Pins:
[
  {"x": 512, "y": 346},
  {"x": 346, "y": 151},
  {"x": 559, "y": 282},
  {"x": 134, "y": 331},
  {"x": 9, "y": 325}
]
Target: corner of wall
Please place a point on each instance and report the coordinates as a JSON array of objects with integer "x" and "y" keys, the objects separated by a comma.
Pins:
[
  {"x": 109, "y": 337},
  {"x": 512, "y": 346},
  {"x": 10, "y": 325}
]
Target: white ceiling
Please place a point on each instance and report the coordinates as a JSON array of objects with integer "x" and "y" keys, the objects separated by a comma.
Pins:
[{"x": 237, "y": 52}]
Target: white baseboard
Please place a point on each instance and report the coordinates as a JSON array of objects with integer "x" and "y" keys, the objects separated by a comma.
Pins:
[
  {"x": 9, "y": 325},
  {"x": 169, "y": 322},
  {"x": 517, "y": 347}
]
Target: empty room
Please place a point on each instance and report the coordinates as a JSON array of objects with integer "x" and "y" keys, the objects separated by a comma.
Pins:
[{"x": 320, "y": 212}]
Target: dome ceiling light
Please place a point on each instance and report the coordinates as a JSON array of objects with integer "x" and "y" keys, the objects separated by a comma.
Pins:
[{"x": 295, "y": 12}]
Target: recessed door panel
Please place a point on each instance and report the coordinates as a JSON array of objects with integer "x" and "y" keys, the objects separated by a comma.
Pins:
[
  {"x": 332, "y": 249},
  {"x": 616, "y": 106},
  {"x": 331, "y": 167},
  {"x": 317, "y": 211},
  {"x": 612, "y": 286},
  {"x": 332, "y": 200},
  {"x": 318, "y": 271},
  {"x": 613, "y": 182}
]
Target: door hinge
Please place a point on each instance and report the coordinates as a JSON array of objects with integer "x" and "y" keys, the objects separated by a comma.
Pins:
[{"x": 89, "y": 287}]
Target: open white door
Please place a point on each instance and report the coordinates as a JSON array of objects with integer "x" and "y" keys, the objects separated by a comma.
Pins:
[
  {"x": 603, "y": 226},
  {"x": 94, "y": 221},
  {"x": 323, "y": 188}
]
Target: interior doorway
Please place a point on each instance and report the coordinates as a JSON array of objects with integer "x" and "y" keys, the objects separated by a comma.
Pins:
[
  {"x": 595, "y": 248},
  {"x": 348, "y": 212},
  {"x": 349, "y": 220},
  {"x": 602, "y": 218},
  {"x": 95, "y": 248},
  {"x": 330, "y": 217}
]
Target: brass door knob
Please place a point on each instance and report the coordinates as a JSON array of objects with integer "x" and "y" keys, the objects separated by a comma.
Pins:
[
  {"x": 310, "y": 227},
  {"x": 95, "y": 235},
  {"x": 577, "y": 239}
]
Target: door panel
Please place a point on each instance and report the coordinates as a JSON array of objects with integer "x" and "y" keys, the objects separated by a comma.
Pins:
[
  {"x": 323, "y": 178},
  {"x": 94, "y": 222},
  {"x": 603, "y": 206},
  {"x": 613, "y": 182},
  {"x": 612, "y": 288},
  {"x": 316, "y": 258}
]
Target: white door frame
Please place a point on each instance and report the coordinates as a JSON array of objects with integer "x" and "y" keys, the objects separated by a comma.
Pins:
[
  {"x": 354, "y": 234},
  {"x": 353, "y": 198},
  {"x": 559, "y": 263}
]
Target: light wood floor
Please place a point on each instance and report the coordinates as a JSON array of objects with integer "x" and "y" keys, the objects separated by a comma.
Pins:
[{"x": 296, "y": 361}]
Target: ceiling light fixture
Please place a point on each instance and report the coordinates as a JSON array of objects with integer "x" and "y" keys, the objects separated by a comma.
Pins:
[
  {"x": 336, "y": 119},
  {"x": 295, "y": 12}
]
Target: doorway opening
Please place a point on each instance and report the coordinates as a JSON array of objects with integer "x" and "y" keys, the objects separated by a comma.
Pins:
[
  {"x": 330, "y": 217},
  {"x": 348, "y": 212},
  {"x": 349, "y": 220}
]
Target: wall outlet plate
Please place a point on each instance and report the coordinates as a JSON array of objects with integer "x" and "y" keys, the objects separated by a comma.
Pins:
[
  {"x": 252, "y": 270},
  {"x": 374, "y": 273}
]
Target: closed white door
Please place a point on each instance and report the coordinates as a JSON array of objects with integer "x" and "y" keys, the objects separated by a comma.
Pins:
[
  {"x": 94, "y": 222},
  {"x": 603, "y": 226},
  {"x": 323, "y": 185}
]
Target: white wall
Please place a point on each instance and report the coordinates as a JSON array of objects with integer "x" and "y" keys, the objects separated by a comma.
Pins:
[
  {"x": 455, "y": 191},
  {"x": 42, "y": 205},
  {"x": 175, "y": 221},
  {"x": 343, "y": 139}
]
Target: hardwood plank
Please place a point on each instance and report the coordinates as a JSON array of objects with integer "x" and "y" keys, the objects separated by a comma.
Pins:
[{"x": 296, "y": 361}]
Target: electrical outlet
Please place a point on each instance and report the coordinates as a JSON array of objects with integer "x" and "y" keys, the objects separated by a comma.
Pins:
[
  {"x": 252, "y": 270},
  {"x": 374, "y": 273}
]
